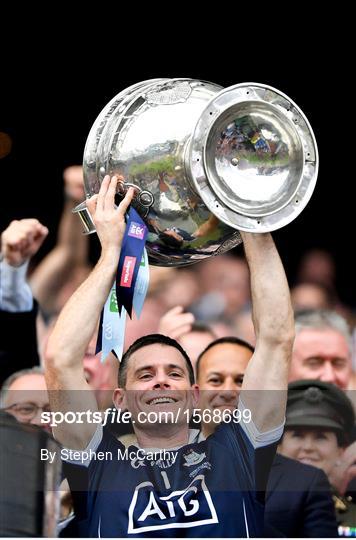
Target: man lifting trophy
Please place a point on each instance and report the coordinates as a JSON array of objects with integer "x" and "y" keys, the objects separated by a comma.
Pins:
[{"x": 178, "y": 170}]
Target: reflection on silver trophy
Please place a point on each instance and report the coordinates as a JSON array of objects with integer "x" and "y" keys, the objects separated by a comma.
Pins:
[{"x": 206, "y": 162}]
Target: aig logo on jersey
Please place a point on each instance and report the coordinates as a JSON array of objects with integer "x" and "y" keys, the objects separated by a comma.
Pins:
[{"x": 190, "y": 507}]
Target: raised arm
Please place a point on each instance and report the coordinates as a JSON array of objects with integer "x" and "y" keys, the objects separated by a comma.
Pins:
[
  {"x": 19, "y": 242},
  {"x": 70, "y": 251},
  {"x": 77, "y": 322},
  {"x": 264, "y": 388}
]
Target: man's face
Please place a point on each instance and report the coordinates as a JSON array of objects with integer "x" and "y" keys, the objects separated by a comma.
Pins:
[
  {"x": 157, "y": 381},
  {"x": 321, "y": 354},
  {"x": 220, "y": 376},
  {"x": 26, "y": 398}
]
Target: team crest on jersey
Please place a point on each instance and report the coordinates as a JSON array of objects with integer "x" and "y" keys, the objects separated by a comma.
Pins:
[
  {"x": 193, "y": 458},
  {"x": 189, "y": 507},
  {"x": 205, "y": 465}
]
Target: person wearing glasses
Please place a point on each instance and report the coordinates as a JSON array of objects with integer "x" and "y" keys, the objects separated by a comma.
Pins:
[{"x": 24, "y": 395}]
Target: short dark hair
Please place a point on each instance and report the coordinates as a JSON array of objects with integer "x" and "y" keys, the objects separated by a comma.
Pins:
[
  {"x": 227, "y": 339},
  {"x": 152, "y": 339}
]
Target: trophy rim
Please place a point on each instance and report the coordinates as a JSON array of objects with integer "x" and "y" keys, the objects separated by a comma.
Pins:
[{"x": 264, "y": 221}]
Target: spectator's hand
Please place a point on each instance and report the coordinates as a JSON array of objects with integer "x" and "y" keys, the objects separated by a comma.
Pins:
[
  {"x": 109, "y": 219},
  {"x": 175, "y": 323},
  {"x": 344, "y": 470},
  {"x": 74, "y": 183},
  {"x": 21, "y": 240}
]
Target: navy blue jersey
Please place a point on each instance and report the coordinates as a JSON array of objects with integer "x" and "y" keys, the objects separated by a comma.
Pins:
[{"x": 210, "y": 488}]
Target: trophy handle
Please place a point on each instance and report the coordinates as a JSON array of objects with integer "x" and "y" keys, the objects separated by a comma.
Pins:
[
  {"x": 143, "y": 200},
  {"x": 85, "y": 217}
]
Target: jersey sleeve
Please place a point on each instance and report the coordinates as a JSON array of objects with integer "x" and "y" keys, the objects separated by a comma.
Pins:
[{"x": 253, "y": 451}]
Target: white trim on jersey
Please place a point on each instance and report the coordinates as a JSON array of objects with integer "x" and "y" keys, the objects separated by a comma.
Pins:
[
  {"x": 256, "y": 437},
  {"x": 245, "y": 517}
]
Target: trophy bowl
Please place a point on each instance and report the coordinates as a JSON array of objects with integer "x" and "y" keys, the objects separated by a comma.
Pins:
[{"x": 205, "y": 162}]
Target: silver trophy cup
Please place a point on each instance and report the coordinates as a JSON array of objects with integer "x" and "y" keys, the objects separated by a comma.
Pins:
[{"x": 206, "y": 162}]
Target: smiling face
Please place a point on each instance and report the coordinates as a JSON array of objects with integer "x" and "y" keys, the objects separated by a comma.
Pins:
[
  {"x": 321, "y": 354},
  {"x": 315, "y": 447},
  {"x": 220, "y": 377},
  {"x": 157, "y": 381}
]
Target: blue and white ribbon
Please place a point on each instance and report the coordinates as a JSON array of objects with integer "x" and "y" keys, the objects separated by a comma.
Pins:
[
  {"x": 129, "y": 289},
  {"x": 132, "y": 248}
]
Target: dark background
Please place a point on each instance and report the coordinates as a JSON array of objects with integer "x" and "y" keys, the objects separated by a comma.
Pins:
[{"x": 55, "y": 83}]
